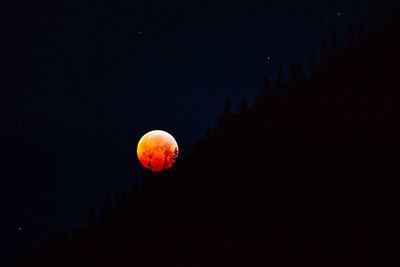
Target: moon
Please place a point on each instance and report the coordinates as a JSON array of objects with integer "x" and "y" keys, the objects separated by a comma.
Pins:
[{"x": 157, "y": 151}]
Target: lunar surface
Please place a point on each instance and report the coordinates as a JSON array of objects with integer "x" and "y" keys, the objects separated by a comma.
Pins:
[{"x": 157, "y": 150}]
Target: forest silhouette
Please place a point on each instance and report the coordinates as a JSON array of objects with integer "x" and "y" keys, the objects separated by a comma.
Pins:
[{"x": 307, "y": 176}]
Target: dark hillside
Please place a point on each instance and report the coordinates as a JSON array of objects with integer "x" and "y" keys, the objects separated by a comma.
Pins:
[{"x": 308, "y": 176}]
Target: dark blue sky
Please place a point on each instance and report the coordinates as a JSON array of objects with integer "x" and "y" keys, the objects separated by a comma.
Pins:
[{"x": 82, "y": 82}]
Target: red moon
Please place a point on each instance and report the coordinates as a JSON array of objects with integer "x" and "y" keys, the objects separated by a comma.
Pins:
[{"x": 157, "y": 151}]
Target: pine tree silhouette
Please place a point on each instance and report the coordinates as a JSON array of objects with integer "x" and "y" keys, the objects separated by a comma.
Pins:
[
  {"x": 280, "y": 80},
  {"x": 311, "y": 180},
  {"x": 244, "y": 107}
]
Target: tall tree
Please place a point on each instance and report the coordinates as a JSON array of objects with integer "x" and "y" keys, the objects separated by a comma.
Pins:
[
  {"x": 266, "y": 89},
  {"x": 264, "y": 94},
  {"x": 312, "y": 62},
  {"x": 334, "y": 48},
  {"x": 295, "y": 76},
  {"x": 350, "y": 40},
  {"x": 243, "y": 107},
  {"x": 324, "y": 53},
  {"x": 280, "y": 80},
  {"x": 227, "y": 115}
]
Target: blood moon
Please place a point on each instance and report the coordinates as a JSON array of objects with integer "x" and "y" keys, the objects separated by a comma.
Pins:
[{"x": 157, "y": 150}]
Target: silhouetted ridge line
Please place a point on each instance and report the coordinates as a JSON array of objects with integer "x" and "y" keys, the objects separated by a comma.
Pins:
[{"x": 308, "y": 175}]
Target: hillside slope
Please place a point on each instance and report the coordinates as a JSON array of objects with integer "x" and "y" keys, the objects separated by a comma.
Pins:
[{"x": 308, "y": 176}]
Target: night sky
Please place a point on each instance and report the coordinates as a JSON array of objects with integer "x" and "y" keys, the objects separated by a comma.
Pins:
[{"x": 82, "y": 82}]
